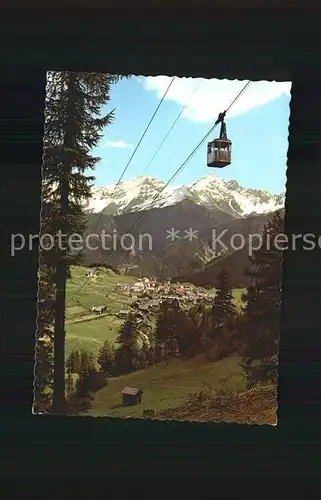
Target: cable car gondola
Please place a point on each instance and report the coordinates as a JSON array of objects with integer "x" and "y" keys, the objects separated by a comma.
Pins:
[{"x": 219, "y": 150}]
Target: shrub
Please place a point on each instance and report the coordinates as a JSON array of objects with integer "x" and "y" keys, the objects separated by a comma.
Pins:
[
  {"x": 78, "y": 403},
  {"x": 219, "y": 352},
  {"x": 92, "y": 382}
]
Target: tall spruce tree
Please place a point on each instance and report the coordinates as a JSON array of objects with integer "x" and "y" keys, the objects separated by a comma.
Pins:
[
  {"x": 128, "y": 348},
  {"x": 262, "y": 310},
  {"x": 43, "y": 382},
  {"x": 87, "y": 363},
  {"x": 223, "y": 310},
  {"x": 70, "y": 385},
  {"x": 106, "y": 358},
  {"x": 73, "y": 362},
  {"x": 169, "y": 322},
  {"x": 73, "y": 126},
  {"x": 192, "y": 332},
  {"x": 128, "y": 332}
]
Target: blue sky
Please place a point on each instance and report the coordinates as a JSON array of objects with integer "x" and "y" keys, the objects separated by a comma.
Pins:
[{"x": 257, "y": 125}]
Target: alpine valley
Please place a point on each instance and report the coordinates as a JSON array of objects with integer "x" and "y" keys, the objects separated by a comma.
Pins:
[{"x": 148, "y": 210}]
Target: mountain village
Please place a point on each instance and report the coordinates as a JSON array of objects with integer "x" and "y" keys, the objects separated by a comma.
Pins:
[{"x": 148, "y": 294}]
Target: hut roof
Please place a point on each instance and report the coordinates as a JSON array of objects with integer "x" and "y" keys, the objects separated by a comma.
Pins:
[{"x": 132, "y": 391}]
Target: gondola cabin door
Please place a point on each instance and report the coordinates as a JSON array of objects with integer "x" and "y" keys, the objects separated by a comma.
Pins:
[{"x": 219, "y": 151}]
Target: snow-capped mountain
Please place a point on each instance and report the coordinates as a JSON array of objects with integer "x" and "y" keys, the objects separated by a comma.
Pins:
[
  {"x": 210, "y": 191},
  {"x": 213, "y": 191}
]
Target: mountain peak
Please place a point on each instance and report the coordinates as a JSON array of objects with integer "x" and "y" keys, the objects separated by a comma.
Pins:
[
  {"x": 209, "y": 191},
  {"x": 233, "y": 185}
]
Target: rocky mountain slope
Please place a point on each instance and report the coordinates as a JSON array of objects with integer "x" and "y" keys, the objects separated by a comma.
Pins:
[
  {"x": 210, "y": 192},
  {"x": 151, "y": 236},
  {"x": 196, "y": 214},
  {"x": 233, "y": 259}
]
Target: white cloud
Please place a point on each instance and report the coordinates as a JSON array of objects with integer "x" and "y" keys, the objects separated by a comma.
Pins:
[
  {"x": 214, "y": 96},
  {"x": 117, "y": 144}
]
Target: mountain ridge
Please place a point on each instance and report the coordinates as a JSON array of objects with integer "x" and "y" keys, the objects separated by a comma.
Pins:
[
  {"x": 206, "y": 205},
  {"x": 211, "y": 192}
]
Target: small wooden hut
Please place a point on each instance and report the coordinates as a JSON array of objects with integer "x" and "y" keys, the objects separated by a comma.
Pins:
[{"x": 131, "y": 396}]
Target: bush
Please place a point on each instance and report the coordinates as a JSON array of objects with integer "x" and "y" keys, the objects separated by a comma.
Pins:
[
  {"x": 219, "y": 352},
  {"x": 78, "y": 403},
  {"x": 192, "y": 351},
  {"x": 92, "y": 382},
  {"x": 207, "y": 344},
  {"x": 261, "y": 372},
  {"x": 148, "y": 413}
]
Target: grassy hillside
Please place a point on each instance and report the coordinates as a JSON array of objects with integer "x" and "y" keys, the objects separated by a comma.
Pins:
[
  {"x": 85, "y": 329},
  {"x": 191, "y": 390},
  {"x": 257, "y": 406},
  {"x": 95, "y": 291},
  {"x": 168, "y": 385},
  {"x": 183, "y": 389}
]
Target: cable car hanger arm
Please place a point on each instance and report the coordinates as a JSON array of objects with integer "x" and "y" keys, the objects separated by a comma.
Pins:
[{"x": 220, "y": 117}]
